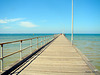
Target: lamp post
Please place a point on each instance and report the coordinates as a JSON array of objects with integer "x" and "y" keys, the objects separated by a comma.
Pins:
[{"x": 72, "y": 24}]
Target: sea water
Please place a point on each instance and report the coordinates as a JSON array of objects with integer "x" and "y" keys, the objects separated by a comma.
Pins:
[{"x": 88, "y": 44}]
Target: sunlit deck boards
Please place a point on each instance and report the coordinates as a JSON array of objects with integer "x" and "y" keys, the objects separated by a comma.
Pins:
[{"x": 60, "y": 58}]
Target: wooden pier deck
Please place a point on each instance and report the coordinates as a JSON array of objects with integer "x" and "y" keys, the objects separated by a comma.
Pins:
[{"x": 59, "y": 58}]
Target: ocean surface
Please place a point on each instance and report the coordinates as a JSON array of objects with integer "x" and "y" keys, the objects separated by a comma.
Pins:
[{"x": 88, "y": 44}]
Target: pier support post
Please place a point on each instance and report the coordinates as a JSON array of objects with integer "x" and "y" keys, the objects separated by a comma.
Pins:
[{"x": 1, "y": 57}]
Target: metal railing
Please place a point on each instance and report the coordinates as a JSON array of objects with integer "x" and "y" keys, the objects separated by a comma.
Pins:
[{"x": 40, "y": 41}]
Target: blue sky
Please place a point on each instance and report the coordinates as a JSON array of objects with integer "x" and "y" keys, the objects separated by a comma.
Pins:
[{"x": 49, "y": 16}]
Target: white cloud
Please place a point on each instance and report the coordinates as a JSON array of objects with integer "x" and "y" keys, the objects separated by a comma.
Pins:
[
  {"x": 13, "y": 20},
  {"x": 7, "y": 27},
  {"x": 9, "y": 20},
  {"x": 2, "y": 21},
  {"x": 27, "y": 24}
]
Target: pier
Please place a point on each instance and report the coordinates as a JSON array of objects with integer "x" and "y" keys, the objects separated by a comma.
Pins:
[{"x": 58, "y": 57}]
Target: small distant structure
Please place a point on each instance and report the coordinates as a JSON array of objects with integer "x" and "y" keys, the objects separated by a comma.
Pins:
[{"x": 60, "y": 33}]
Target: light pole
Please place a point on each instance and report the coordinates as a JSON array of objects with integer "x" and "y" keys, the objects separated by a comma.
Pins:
[{"x": 72, "y": 24}]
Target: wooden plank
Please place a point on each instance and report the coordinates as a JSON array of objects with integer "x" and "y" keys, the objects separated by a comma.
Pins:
[{"x": 60, "y": 58}]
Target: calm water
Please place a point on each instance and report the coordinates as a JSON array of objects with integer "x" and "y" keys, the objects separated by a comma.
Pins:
[{"x": 89, "y": 44}]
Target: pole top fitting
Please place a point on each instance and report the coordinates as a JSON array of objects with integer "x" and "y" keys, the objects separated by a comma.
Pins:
[
  {"x": 1, "y": 45},
  {"x": 21, "y": 41}
]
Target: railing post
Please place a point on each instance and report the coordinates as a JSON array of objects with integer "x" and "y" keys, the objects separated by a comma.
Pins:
[
  {"x": 1, "y": 57},
  {"x": 48, "y": 39},
  {"x": 31, "y": 46},
  {"x": 54, "y": 36},
  {"x": 20, "y": 49},
  {"x": 41, "y": 41},
  {"x": 37, "y": 42},
  {"x": 44, "y": 40}
]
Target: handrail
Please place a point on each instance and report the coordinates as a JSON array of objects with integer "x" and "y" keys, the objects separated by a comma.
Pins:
[
  {"x": 44, "y": 40},
  {"x": 22, "y": 40}
]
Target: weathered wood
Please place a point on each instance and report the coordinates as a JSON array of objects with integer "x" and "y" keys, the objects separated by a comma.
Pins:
[{"x": 60, "y": 58}]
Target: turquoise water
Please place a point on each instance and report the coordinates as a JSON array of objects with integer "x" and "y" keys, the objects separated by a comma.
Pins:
[{"x": 88, "y": 44}]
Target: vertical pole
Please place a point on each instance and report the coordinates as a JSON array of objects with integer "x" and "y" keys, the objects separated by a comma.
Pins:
[
  {"x": 20, "y": 49},
  {"x": 37, "y": 42},
  {"x": 72, "y": 24},
  {"x": 54, "y": 36},
  {"x": 31, "y": 46},
  {"x": 49, "y": 38},
  {"x": 1, "y": 57},
  {"x": 45, "y": 40},
  {"x": 41, "y": 41}
]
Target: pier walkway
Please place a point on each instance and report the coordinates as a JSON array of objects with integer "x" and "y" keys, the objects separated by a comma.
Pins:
[{"x": 59, "y": 58}]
